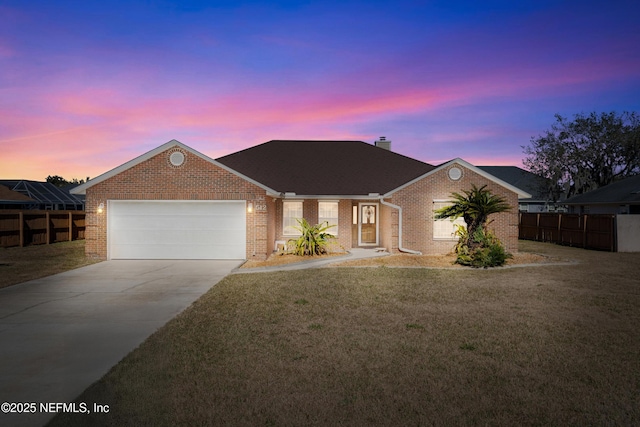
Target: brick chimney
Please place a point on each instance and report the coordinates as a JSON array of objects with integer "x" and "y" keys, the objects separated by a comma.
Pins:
[{"x": 383, "y": 143}]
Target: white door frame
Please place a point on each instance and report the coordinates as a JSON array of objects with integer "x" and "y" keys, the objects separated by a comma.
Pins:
[{"x": 377, "y": 205}]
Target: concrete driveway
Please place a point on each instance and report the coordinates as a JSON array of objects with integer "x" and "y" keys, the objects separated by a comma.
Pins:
[{"x": 61, "y": 333}]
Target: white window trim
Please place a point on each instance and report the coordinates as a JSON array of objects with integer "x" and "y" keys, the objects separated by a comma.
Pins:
[
  {"x": 459, "y": 221},
  {"x": 284, "y": 227},
  {"x": 333, "y": 230}
]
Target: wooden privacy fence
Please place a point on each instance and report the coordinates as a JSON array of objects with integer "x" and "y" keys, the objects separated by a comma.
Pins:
[
  {"x": 584, "y": 231},
  {"x": 22, "y": 228}
]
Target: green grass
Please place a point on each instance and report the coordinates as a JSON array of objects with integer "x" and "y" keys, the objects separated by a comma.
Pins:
[
  {"x": 19, "y": 265},
  {"x": 467, "y": 346},
  {"x": 414, "y": 326},
  {"x": 524, "y": 346}
]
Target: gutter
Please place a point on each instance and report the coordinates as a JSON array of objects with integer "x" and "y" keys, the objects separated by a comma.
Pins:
[{"x": 400, "y": 248}]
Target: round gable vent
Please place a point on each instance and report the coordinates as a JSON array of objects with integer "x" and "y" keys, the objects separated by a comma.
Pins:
[
  {"x": 176, "y": 158},
  {"x": 455, "y": 173}
]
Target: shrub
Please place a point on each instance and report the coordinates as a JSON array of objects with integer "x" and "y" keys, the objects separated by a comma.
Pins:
[
  {"x": 477, "y": 246},
  {"x": 313, "y": 240},
  {"x": 488, "y": 251}
]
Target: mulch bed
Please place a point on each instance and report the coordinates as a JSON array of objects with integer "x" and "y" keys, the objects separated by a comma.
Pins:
[{"x": 398, "y": 260}]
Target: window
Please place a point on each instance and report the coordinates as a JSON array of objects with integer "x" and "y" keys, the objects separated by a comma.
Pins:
[
  {"x": 445, "y": 228},
  {"x": 291, "y": 212},
  {"x": 328, "y": 211}
]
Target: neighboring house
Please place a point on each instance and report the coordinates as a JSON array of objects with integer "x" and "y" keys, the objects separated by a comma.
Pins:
[
  {"x": 10, "y": 199},
  {"x": 537, "y": 186},
  {"x": 42, "y": 195},
  {"x": 174, "y": 202},
  {"x": 78, "y": 197},
  {"x": 622, "y": 197}
]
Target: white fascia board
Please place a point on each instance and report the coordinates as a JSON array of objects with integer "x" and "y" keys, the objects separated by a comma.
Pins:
[
  {"x": 521, "y": 193},
  {"x": 82, "y": 189},
  {"x": 327, "y": 197}
]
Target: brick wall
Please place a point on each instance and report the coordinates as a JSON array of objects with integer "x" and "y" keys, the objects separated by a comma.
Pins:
[
  {"x": 417, "y": 203},
  {"x": 418, "y": 217},
  {"x": 345, "y": 224},
  {"x": 388, "y": 228},
  {"x": 199, "y": 179},
  {"x": 310, "y": 213},
  {"x": 195, "y": 179}
]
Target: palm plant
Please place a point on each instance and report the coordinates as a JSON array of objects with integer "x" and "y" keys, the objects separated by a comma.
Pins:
[
  {"x": 474, "y": 207},
  {"x": 313, "y": 239}
]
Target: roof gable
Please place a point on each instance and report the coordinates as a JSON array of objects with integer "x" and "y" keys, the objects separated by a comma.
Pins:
[
  {"x": 521, "y": 193},
  {"x": 325, "y": 167},
  {"x": 81, "y": 189}
]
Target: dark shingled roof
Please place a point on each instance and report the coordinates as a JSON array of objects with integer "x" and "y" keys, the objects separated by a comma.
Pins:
[
  {"x": 8, "y": 195},
  {"x": 626, "y": 191},
  {"x": 525, "y": 180},
  {"x": 43, "y": 192},
  {"x": 325, "y": 167}
]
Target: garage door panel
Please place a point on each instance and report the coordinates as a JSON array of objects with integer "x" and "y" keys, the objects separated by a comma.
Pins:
[
  {"x": 176, "y": 252},
  {"x": 200, "y": 222},
  {"x": 177, "y": 230},
  {"x": 193, "y": 237}
]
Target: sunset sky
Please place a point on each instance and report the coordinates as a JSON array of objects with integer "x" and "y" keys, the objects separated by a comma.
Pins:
[{"x": 88, "y": 85}]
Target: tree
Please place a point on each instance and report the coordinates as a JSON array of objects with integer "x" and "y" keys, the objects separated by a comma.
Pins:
[
  {"x": 56, "y": 180},
  {"x": 587, "y": 153},
  {"x": 60, "y": 182},
  {"x": 477, "y": 246}
]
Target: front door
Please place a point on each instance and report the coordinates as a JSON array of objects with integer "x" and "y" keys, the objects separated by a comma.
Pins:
[{"x": 368, "y": 224}]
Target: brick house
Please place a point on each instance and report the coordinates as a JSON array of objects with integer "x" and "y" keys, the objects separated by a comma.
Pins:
[{"x": 174, "y": 202}]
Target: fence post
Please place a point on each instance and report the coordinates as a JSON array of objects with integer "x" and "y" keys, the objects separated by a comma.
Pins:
[
  {"x": 614, "y": 233},
  {"x": 584, "y": 231},
  {"x": 538, "y": 227},
  {"x": 47, "y": 219},
  {"x": 21, "y": 222},
  {"x": 70, "y": 226},
  {"x": 559, "y": 241},
  {"x": 519, "y": 225}
]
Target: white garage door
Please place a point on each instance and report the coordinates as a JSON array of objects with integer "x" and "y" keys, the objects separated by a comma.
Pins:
[{"x": 176, "y": 229}]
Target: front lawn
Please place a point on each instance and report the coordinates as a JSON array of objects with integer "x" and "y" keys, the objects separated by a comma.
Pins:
[
  {"x": 19, "y": 265},
  {"x": 552, "y": 345}
]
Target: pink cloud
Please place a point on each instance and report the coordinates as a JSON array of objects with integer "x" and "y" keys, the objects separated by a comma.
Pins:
[
  {"x": 74, "y": 152},
  {"x": 83, "y": 128}
]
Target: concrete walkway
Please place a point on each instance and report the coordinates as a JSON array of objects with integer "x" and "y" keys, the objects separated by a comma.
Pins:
[
  {"x": 356, "y": 253},
  {"x": 61, "y": 333}
]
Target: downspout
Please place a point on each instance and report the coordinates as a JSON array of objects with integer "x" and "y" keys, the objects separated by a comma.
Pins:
[{"x": 400, "y": 248}]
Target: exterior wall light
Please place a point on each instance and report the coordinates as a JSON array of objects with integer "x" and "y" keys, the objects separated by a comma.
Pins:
[
  {"x": 101, "y": 208},
  {"x": 250, "y": 207}
]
